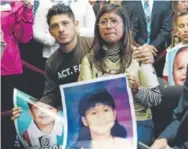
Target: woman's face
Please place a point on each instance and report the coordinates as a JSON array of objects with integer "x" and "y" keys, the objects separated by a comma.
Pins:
[
  {"x": 111, "y": 27},
  {"x": 100, "y": 119}
]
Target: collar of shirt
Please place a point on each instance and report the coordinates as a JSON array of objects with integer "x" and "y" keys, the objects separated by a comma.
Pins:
[{"x": 150, "y": 4}]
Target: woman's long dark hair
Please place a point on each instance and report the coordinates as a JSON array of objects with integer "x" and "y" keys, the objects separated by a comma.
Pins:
[
  {"x": 99, "y": 97},
  {"x": 125, "y": 43}
]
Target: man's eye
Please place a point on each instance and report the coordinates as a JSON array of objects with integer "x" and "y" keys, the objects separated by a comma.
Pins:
[
  {"x": 181, "y": 26},
  {"x": 54, "y": 26},
  {"x": 65, "y": 23}
]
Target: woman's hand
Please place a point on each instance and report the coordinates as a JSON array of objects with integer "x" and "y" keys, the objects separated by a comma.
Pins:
[
  {"x": 145, "y": 54},
  {"x": 16, "y": 113},
  {"x": 133, "y": 83}
]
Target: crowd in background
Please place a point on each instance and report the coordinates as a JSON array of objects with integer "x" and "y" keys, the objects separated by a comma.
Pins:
[{"x": 46, "y": 43}]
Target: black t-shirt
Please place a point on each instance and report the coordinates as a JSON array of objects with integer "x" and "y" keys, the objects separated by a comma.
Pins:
[{"x": 63, "y": 68}]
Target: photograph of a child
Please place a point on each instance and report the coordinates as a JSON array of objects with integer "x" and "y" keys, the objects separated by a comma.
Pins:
[
  {"x": 102, "y": 114},
  {"x": 177, "y": 64},
  {"x": 41, "y": 123}
]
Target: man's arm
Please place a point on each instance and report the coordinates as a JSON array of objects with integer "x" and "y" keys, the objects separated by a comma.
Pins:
[
  {"x": 51, "y": 83},
  {"x": 132, "y": 17}
]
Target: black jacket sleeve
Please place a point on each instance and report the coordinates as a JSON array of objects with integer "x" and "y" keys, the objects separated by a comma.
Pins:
[
  {"x": 165, "y": 30},
  {"x": 51, "y": 83},
  {"x": 133, "y": 18}
]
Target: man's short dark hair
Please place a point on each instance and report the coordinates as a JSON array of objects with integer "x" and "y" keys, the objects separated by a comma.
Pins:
[{"x": 60, "y": 9}]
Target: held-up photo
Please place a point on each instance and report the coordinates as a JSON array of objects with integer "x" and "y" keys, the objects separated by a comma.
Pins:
[
  {"x": 100, "y": 114},
  {"x": 41, "y": 123}
]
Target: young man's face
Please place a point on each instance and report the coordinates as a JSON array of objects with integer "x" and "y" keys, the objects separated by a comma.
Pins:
[
  {"x": 40, "y": 116},
  {"x": 100, "y": 119},
  {"x": 63, "y": 28},
  {"x": 180, "y": 67},
  {"x": 182, "y": 28}
]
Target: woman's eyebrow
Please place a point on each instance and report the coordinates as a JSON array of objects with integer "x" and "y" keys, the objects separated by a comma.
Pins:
[{"x": 104, "y": 18}]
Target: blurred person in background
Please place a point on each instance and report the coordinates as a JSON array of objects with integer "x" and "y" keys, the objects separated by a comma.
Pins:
[{"x": 179, "y": 6}]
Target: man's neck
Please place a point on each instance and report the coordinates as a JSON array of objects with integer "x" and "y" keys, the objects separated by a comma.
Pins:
[{"x": 70, "y": 46}]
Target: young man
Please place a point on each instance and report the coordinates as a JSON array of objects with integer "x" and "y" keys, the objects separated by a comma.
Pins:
[
  {"x": 63, "y": 66},
  {"x": 176, "y": 132},
  {"x": 84, "y": 16}
]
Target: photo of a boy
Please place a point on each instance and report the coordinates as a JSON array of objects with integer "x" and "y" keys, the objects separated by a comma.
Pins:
[
  {"x": 180, "y": 66},
  {"x": 46, "y": 126},
  {"x": 100, "y": 128}
]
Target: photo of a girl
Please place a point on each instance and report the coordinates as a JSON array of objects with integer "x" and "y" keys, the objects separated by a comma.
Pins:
[
  {"x": 100, "y": 114},
  {"x": 99, "y": 126}
]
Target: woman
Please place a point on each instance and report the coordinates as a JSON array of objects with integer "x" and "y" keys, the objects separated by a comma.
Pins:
[
  {"x": 112, "y": 54},
  {"x": 16, "y": 25},
  {"x": 100, "y": 128}
]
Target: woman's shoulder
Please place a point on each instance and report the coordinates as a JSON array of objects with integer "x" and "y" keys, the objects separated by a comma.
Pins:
[
  {"x": 89, "y": 56},
  {"x": 134, "y": 63},
  {"x": 87, "y": 60}
]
